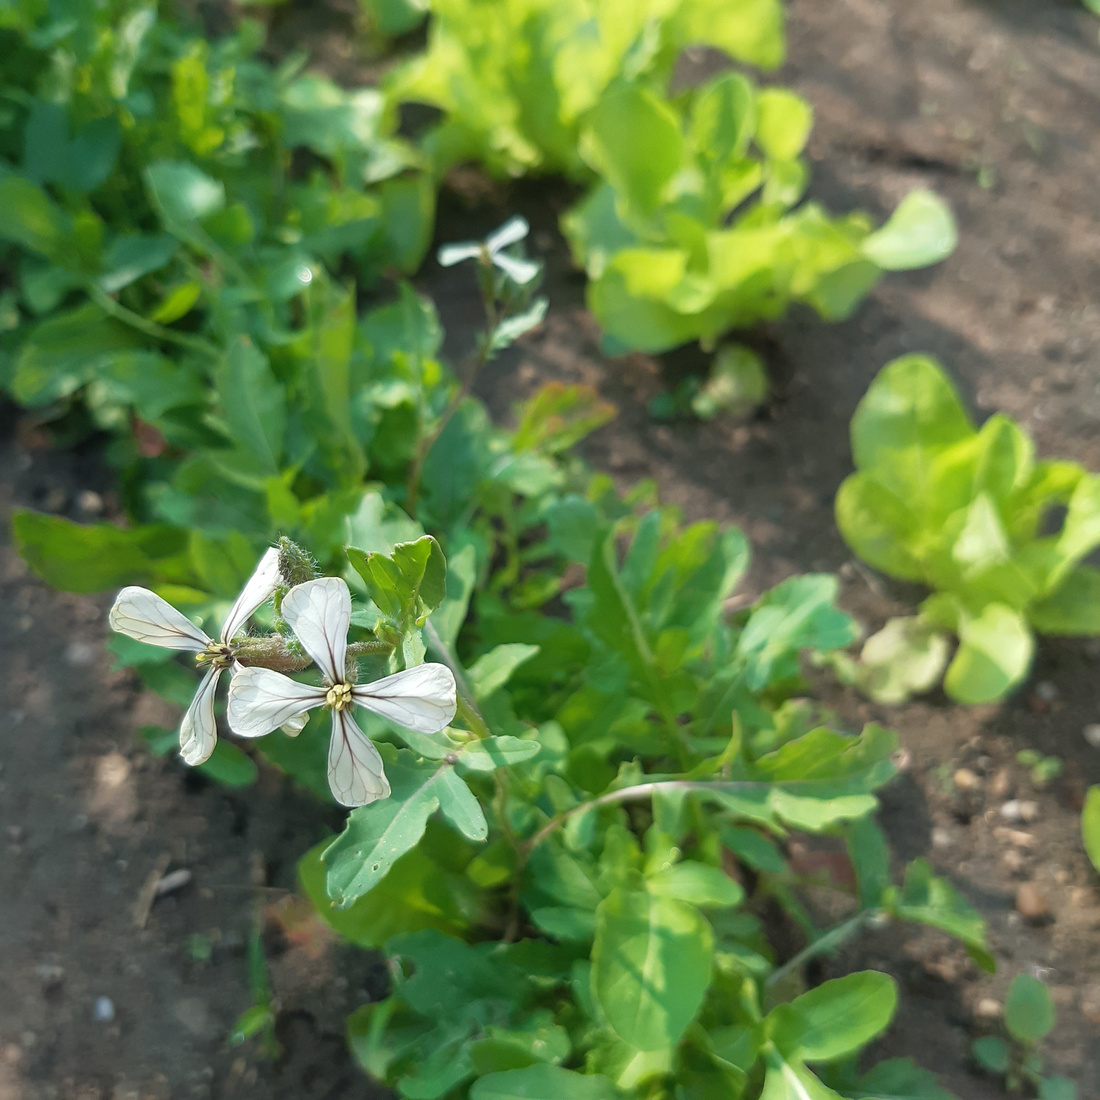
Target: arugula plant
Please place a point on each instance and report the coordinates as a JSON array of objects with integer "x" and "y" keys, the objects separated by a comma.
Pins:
[
  {"x": 1029, "y": 1018},
  {"x": 703, "y": 229},
  {"x": 173, "y": 210},
  {"x": 1000, "y": 537}
]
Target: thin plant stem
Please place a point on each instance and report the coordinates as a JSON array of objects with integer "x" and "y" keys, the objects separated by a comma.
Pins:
[
  {"x": 640, "y": 791},
  {"x": 150, "y": 328},
  {"x": 829, "y": 941}
]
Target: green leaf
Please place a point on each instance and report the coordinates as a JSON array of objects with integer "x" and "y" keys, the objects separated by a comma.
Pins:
[
  {"x": 406, "y": 585},
  {"x": 921, "y": 231},
  {"x": 182, "y": 193},
  {"x": 906, "y": 657},
  {"x": 1073, "y": 608},
  {"x": 228, "y": 765},
  {"x": 92, "y": 557},
  {"x": 31, "y": 218},
  {"x": 543, "y": 1082},
  {"x": 992, "y": 1054},
  {"x": 80, "y": 162},
  {"x": 792, "y": 1081},
  {"x": 1090, "y": 825},
  {"x": 879, "y": 526},
  {"x": 794, "y": 616},
  {"x": 395, "y": 17},
  {"x": 994, "y": 655},
  {"x": 1029, "y": 1010},
  {"x": 492, "y": 671},
  {"x": 723, "y": 117},
  {"x": 408, "y": 219},
  {"x": 253, "y": 405},
  {"x": 451, "y": 613},
  {"x": 1058, "y": 1088},
  {"x": 934, "y": 901},
  {"x": 458, "y": 806},
  {"x": 62, "y": 353},
  {"x": 639, "y": 171},
  {"x": 748, "y": 30},
  {"x": 909, "y": 415},
  {"x": 651, "y": 966},
  {"x": 783, "y": 124},
  {"x": 496, "y": 752},
  {"x": 835, "y": 1019},
  {"x": 697, "y": 884},
  {"x": 870, "y": 856},
  {"x": 415, "y": 894},
  {"x": 130, "y": 257},
  {"x": 376, "y": 836},
  {"x": 899, "y": 1079}
]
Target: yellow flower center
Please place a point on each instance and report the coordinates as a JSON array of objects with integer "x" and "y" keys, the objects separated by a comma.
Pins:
[
  {"x": 217, "y": 655},
  {"x": 338, "y": 696}
]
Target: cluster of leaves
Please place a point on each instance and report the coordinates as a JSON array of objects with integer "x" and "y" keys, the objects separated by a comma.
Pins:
[
  {"x": 570, "y": 889},
  {"x": 171, "y": 210},
  {"x": 702, "y": 228},
  {"x": 516, "y": 80},
  {"x": 569, "y": 882},
  {"x": 1029, "y": 1018},
  {"x": 698, "y": 228},
  {"x": 997, "y": 535}
]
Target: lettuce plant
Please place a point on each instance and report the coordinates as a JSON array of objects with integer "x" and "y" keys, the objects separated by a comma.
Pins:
[
  {"x": 1000, "y": 537},
  {"x": 517, "y": 78},
  {"x": 702, "y": 229}
]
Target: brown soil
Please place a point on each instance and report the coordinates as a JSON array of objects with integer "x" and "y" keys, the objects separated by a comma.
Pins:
[{"x": 994, "y": 104}]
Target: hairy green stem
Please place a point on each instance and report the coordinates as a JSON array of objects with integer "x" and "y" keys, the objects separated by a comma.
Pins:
[{"x": 272, "y": 652}]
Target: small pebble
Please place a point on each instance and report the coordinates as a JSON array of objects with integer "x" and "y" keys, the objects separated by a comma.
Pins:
[
  {"x": 1091, "y": 734},
  {"x": 988, "y": 1009},
  {"x": 1017, "y": 810},
  {"x": 173, "y": 881},
  {"x": 1046, "y": 690},
  {"x": 1030, "y": 902},
  {"x": 1013, "y": 860},
  {"x": 89, "y": 502},
  {"x": 103, "y": 1011},
  {"x": 941, "y": 837},
  {"x": 1001, "y": 784},
  {"x": 966, "y": 780},
  {"x": 79, "y": 654}
]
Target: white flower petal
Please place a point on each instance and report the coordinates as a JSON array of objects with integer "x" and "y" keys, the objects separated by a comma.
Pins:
[
  {"x": 511, "y": 232},
  {"x": 259, "y": 588},
  {"x": 451, "y": 254},
  {"x": 421, "y": 698},
  {"x": 199, "y": 730},
  {"x": 519, "y": 271},
  {"x": 143, "y": 615},
  {"x": 355, "y": 773},
  {"x": 261, "y": 700},
  {"x": 294, "y": 726},
  {"x": 319, "y": 613}
]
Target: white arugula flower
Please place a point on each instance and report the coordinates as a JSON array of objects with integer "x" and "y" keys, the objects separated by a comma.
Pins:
[
  {"x": 492, "y": 250},
  {"x": 260, "y": 699},
  {"x": 144, "y": 616}
]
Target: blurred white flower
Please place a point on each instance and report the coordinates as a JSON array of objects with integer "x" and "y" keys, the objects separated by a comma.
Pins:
[
  {"x": 144, "y": 616},
  {"x": 260, "y": 699},
  {"x": 491, "y": 250}
]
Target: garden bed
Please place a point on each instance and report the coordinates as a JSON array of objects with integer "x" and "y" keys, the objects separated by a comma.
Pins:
[{"x": 993, "y": 105}]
